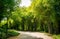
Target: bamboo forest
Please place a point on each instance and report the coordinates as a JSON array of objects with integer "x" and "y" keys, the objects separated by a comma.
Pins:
[{"x": 29, "y": 19}]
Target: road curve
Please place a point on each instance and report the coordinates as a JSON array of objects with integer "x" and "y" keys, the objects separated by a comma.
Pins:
[{"x": 31, "y": 35}]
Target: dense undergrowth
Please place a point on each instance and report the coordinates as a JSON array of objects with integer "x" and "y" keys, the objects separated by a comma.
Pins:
[
  {"x": 56, "y": 36},
  {"x": 9, "y": 33}
]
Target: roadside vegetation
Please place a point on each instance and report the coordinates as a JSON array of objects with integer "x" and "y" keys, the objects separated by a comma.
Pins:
[
  {"x": 56, "y": 36},
  {"x": 41, "y": 15}
]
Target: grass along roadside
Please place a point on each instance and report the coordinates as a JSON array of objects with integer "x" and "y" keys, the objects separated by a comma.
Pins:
[
  {"x": 56, "y": 36},
  {"x": 9, "y": 34}
]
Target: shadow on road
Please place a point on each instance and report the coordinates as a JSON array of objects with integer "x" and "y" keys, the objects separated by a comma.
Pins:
[{"x": 24, "y": 36}]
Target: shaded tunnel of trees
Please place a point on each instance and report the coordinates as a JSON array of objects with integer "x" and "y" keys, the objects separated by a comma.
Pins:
[{"x": 41, "y": 15}]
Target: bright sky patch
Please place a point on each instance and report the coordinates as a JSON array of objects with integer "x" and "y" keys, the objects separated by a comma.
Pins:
[{"x": 25, "y": 3}]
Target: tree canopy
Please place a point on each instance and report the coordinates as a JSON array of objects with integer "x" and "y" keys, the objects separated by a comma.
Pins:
[{"x": 41, "y": 15}]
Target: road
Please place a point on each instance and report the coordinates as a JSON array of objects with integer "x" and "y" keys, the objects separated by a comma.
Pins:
[{"x": 31, "y": 35}]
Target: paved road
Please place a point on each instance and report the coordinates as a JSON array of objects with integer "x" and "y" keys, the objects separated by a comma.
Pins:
[{"x": 31, "y": 35}]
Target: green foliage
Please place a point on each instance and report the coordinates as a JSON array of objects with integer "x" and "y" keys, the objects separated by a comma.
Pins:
[
  {"x": 10, "y": 33},
  {"x": 47, "y": 11},
  {"x": 6, "y": 8},
  {"x": 42, "y": 15},
  {"x": 56, "y": 36}
]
